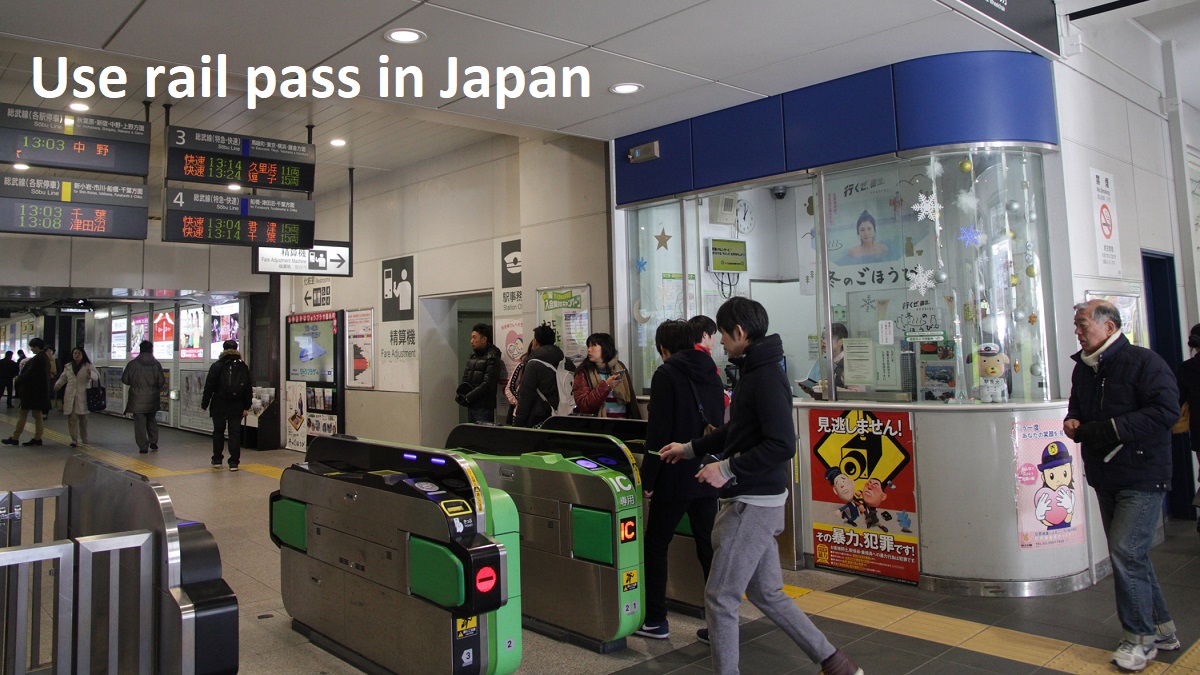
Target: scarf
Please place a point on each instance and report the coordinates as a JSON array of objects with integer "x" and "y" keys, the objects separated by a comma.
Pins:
[
  {"x": 1093, "y": 359},
  {"x": 622, "y": 392}
]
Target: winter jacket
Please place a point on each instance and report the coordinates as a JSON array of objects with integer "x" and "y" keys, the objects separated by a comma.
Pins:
[
  {"x": 482, "y": 375},
  {"x": 532, "y": 410},
  {"x": 1188, "y": 380},
  {"x": 1135, "y": 389},
  {"x": 591, "y": 391},
  {"x": 218, "y": 404},
  {"x": 760, "y": 437},
  {"x": 144, "y": 375},
  {"x": 76, "y": 386},
  {"x": 33, "y": 383},
  {"x": 8, "y": 369},
  {"x": 674, "y": 416}
]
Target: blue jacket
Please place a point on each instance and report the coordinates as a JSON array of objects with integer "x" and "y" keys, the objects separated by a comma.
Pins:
[
  {"x": 1135, "y": 388},
  {"x": 760, "y": 438}
]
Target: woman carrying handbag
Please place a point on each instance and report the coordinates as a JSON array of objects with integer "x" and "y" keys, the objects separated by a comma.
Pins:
[{"x": 76, "y": 377}]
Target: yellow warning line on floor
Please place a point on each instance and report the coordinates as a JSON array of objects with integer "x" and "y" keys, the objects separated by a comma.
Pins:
[{"x": 977, "y": 637}]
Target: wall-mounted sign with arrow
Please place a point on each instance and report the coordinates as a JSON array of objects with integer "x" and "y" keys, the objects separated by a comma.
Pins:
[{"x": 325, "y": 258}]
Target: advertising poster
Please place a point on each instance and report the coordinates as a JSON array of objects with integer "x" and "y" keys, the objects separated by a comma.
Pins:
[
  {"x": 310, "y": 348},
  {"x": 864, "y": 502},
  {"x": 320, "y": 424},
  {"x": 191, "y": 335},
  {"x": 164, "y": 396},
  {"x": 1049, "y": 485},
  {"x": 567, "y": 309},
  {"x": 261, "y": 399},
  {"x": 294, "y": 415},
  {"x": 139, "y": 330},
  {"x": 1104, "y": 211},
  {"x": 224, "y": 326},
  {"x": 191, "y": 395},
  {"x": 360, "y": 348},
  {"x": 114, "y": 391},
  {"x": 164, "y": 336}
]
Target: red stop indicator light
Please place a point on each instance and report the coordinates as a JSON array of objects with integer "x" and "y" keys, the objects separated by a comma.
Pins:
[{"x": 485, "y": 579}]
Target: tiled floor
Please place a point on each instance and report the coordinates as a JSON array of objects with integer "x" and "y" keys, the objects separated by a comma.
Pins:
[{"x": 888, "y": 628}]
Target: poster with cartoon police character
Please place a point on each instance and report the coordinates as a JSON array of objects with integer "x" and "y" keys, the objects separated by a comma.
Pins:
[{"x": 1049, "y": 486}]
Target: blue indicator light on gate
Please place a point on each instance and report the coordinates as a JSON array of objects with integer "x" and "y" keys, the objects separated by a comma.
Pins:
[
  {"x": 437, "y": 460},
  {"x": 410, "y": 456}
]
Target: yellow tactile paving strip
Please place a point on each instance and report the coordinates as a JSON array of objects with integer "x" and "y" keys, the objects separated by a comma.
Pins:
[{"x": 978, "y": 637}]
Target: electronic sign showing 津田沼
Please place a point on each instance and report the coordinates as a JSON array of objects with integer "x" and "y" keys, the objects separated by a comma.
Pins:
[{"x": 79, "y": 208}]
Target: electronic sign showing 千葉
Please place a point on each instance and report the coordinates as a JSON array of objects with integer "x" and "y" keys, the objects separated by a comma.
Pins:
[
  {"x": 78, "y": 208},
  {"x": 53, "y": 139},
  {"x": 196, "y": 217},
  {"x": 219, "y": 158}
]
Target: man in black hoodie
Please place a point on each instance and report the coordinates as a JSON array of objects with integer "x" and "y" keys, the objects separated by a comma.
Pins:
[
  {"x": 747, "y": 459},
  {"x": 538, "y": 393},
  {"x": 685, "y": 397}
]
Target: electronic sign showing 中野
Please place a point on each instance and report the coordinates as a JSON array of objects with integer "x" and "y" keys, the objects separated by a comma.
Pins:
[
  {"x": 78, "y": 208},
  {"x": 220, "y": 158},
  {"x": 196, "y": 217},
  {"x": 54, "y": 139}
]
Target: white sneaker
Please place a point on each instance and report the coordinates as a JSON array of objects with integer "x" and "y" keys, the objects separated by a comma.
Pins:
[{"x": 1133, "y": 657}]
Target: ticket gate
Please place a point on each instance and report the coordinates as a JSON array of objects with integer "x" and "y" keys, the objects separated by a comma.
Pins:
[
  {"x": 685, "y": 577},
  {"x": 578, "y": 497},
  {"x": 398, "y": 558}
]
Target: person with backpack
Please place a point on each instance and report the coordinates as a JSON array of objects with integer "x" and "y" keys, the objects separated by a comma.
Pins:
[
  {"x": 601, "y": 386},
  {"x": 227, "y": 390},
  {"x": 145, "y": 378},
  {"x": 538, "y": 396}
]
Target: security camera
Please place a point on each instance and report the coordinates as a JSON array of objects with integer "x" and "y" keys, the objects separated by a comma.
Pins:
[{"x": 779, "y": 191}]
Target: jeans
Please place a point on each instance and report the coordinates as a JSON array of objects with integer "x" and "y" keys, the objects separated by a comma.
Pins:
[
  {"x": 664, "y": 517},
  {"x": 233, "y": 422},
  {"x": 481, "y": 415},
  {"x": 1130, "y": 518}
]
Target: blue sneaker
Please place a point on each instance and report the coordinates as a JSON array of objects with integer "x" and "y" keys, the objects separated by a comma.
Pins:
[{"x": 661, "y": 631}]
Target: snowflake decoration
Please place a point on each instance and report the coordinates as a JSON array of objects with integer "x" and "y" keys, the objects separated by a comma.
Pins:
[
  {"x": 868, "y": 304},
  {"x": 935, "y": 170},
  {"x": 966, "y": 201},
  {"x": 641, "y": 264},
  {"x": 921, "y": 280},
  {"x": 970, "y": 236},
  {"x": 927, "y": 207}
]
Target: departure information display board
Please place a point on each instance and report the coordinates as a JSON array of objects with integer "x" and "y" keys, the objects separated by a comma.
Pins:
[
  {"x": 79, "y": 208},
  {"x": 196, "y": 217},
  {"x": 53, "y": 139},
  {"x": 219, "y": 158}
]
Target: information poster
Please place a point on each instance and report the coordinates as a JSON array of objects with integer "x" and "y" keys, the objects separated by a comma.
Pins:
[
  {"x": 120, "y": 340},
  {"x": 509, "y": 334},
  {"x": 568, "y": 311},
  {"x": 224, "y": 327},
  {"x": 310, "y": 354},
  {"x": 1104, "y": 213},
  {"x": 1049, "y": 485},
  {"x": 360, "y": 348},
  {"x": 114, "y": 391},
  {"x": 864, "y": 503},
  {"x": 191, "y": 335},
  {"x": 295, "y": 412},
  {"x": 139, "y": 331},
  {"x": 164, "y": 335},
  {"x": 191, "y": 395}
]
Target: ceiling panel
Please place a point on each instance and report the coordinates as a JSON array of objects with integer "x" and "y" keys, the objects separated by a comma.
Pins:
[
  {"x": 585, "y": 21},
  {"x": 697, "y": 101},
  {"x": 75, "y": 22}
]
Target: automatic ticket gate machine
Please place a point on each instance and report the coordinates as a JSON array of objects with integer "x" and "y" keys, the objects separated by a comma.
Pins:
[
  {"x": 685, "y": 577},
  {"x": 579, "y": 501},
  {"x": 398, "y": 558}
]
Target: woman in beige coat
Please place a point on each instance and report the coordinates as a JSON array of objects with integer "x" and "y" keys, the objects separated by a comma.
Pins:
[{"x": 77, "y": 376}]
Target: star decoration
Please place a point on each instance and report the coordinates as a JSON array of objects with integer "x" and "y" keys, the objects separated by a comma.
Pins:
[
  {"x": 921, "y": 280},
  {"x": 966, "y": 201},
  {"x": 662, "y": 239},
  {"x": 927, "y": 207},
  {"x": 641, "y": 264},
  {"x": 868, "y": 304},
  {"x": 935, "y": 170},
  {"x": 970, "y": 236}
]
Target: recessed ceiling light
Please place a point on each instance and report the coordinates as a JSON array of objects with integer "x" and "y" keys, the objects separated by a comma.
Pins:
[
  {"x": 234, "y": 186},
  {"x": 79, "y": 107},
  {"x": 21, "y": 167},
  {"x": 626, "y": 88},
  {"x": 338, "y": 142},
  {"x": 405, "y": 36}
]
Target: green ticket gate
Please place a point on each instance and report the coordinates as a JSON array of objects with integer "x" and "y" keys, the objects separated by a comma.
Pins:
[
  {"x": 579, "y": 499},
  {"x": 685, "y": 577},
  {"x": 400, "y": 559}
]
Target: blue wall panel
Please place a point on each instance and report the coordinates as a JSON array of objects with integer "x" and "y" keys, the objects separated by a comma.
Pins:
[
  {"x": 840, "y": 120},
  {"x": 738, "y": 144},
  {"x": 974, "y": 97},
  {"x": 671, "y": 173}
]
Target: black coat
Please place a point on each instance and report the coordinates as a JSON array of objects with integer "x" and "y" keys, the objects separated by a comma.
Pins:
[
  {"x": 1188, "y": 379},
  {"x": 8, "y": 370},
  {"x": 760, "y": 438},
  {"x": 1135, "y": 388},
  {"x": 33, "y": 383},
  {"x": 532, "y": 410},
  {"x": 675, "y": 417},
  {"x": 482, "y": 375},
  {"x": 221, "y": 405}
]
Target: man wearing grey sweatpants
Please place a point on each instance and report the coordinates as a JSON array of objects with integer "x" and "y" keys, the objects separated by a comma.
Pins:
[{"x": 747, "y": 459}]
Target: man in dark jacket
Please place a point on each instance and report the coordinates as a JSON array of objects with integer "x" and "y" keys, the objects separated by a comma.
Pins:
[
  {"x": 538, "y": 394},
  {"x": 478, "y": 389},
  {"x": 228, "y": 392},
  {"x": 685, "y": 385},
  {"x": 33, "y": 387},
  {"x": 145, "y": 378},
  {"x": 8, "y": 372},
  {"x": 748, "y": 460},
  {"x": 1124, "y": 401}
]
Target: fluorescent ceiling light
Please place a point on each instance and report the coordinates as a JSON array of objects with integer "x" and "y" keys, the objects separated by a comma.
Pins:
[
  {"x": 78, "y": 107},
  {"x": 338, "y": 142},
  {"x": 234, "y": 186},
  {"x": 21, "y": 167}
]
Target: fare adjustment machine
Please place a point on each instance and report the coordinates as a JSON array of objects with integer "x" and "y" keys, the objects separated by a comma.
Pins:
[
  {"x": 579, "y": 500},
  {"x": 397, "y": 558}
]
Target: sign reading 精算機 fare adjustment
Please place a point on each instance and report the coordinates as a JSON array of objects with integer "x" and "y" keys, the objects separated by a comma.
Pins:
[
  {"x": 79, "y": 208},
  {"x": 57, "y": 140},
  {"x": 196, "y": 217},
  {"x": 219, "y": 158}
]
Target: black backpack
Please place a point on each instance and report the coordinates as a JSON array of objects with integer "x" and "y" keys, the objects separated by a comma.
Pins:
[{"x": 234, "y": 379}]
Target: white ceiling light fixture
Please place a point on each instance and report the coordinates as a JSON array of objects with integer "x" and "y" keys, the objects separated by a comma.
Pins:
[
  {"x": 234, "y": 186},
  {"x": 405, "y": 36},
  {"x": 21, "y": 167},
  {"x": 338, "y": 142},
  {"x": 79, "y": 107},
  {"x": 626, "y": 88}
]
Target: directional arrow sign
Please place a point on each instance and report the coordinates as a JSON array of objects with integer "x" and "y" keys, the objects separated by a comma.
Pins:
[{"x": 328, "y": 258}]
